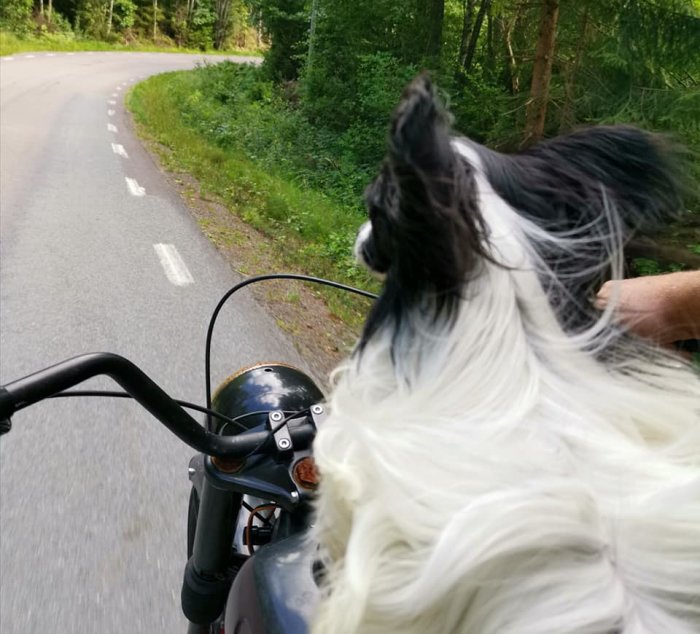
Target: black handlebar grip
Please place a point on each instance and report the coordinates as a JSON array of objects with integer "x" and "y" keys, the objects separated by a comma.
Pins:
[
  {"x": 7, "y": 408},
  {"x": 5, "y": 426}
]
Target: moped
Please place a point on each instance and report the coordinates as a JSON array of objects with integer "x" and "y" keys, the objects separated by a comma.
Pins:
[{"x": 250, "y": 567}]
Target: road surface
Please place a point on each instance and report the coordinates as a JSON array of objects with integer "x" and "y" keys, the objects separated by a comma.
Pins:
[{"x": 98, "y": 253}]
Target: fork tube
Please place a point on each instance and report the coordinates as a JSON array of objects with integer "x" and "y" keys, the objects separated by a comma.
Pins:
[
  {"x": 208, "y": 576},
  {"x": 216, "y": 523}
]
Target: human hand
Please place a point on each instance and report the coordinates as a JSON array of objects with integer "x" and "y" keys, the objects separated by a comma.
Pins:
[{"x": 662, "y": 308}]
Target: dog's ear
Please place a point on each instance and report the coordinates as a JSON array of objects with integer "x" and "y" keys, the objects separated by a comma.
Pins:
[
  {"x": 438, "y": 230},
  {"x": 420, "y": 134}
]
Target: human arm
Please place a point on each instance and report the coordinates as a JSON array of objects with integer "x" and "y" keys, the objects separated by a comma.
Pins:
[{"x": 663, "y": 308}]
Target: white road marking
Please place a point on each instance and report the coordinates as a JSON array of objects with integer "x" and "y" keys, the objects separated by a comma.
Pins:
[
  {"x": 174, "y": 266},
  {"x": 111, "y": 102},
  {"x": 7, "y": 59},
  {"x": 117, "y": 148},
  {"x": 118, "y": 88},
  {"x": 50, "y": 54},
  {"x": 115, "y": 94},
  {"x": 134, "y": 188},
  {"x": 71, "y": 53},
  {"x": 29, "y": 56},
  {"x": 112, "y": 128},
  {"x": 110, "y": 113}
]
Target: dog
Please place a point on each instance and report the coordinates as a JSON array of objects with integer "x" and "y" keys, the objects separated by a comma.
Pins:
[{"x": 501, "y": 457}]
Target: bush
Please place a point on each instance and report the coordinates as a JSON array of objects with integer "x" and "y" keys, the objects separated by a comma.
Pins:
[{"x": 16, "y": 16}]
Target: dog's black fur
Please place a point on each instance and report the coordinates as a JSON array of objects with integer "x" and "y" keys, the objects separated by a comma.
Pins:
[{"x": 597, "y": 186}]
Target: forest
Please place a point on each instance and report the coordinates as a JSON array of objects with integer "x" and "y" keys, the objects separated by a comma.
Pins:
[{"x": 315, "y": 113}]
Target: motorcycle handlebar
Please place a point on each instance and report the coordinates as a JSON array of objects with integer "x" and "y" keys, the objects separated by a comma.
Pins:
[{"x": 50, "y": 381}]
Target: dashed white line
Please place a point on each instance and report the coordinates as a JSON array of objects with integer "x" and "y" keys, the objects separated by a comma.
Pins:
[
  {"x": 29, "y": 56},
  {"x": 118, "y": 88},
  {"x": 115, "y": 94},
  {"x": 111, "y": 102},
  {"x": 7, "y": 59},
  {"x": 71, "y": 53},
  {"x": 112, "y": 128},
  {"x": 118, "y": 148},
  {"x": 174, "y": 266},
  {"x": 110, "y": 113},
  {"x": 50, "y": 54},
  {"x": 134, "y": 188}
]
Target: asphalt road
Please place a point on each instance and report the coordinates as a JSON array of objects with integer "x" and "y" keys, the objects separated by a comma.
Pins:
[{"x": 93, "y": 493}]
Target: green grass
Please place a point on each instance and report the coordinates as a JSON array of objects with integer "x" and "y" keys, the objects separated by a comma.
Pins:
[
  {"x": 10, "y": 44},
  {"x": 311, "y": 232}
]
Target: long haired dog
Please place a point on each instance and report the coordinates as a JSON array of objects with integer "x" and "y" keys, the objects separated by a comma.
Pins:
[{"x": 500, "y": 458}]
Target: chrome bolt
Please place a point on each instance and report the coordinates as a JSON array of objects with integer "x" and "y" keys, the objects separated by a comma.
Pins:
[
  {"x": 284, "y": 443},
  {"x": 276, "y": 417},
  {"x": 191, "y": 470},
  {"x": 295, "y": 495},
  {"x": 316, "y": 409}
]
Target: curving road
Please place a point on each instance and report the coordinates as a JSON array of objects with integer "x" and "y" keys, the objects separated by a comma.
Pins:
[{"x": 98, "y": 253}]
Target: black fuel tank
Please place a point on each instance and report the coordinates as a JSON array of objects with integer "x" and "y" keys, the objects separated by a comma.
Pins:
[{"x": 274, "y": 592}]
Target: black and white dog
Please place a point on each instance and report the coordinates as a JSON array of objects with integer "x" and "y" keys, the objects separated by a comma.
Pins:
[{"x": 500, "y": 458}]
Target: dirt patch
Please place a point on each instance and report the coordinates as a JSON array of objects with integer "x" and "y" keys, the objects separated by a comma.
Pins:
[{"x": 322, "y": 339}]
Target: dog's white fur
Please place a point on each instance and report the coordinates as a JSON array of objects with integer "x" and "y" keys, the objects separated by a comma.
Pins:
[{"x": 495, "y": 478}]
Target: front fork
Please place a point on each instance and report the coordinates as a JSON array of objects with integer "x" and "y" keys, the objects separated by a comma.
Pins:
[{"x": 210, "y": 568}]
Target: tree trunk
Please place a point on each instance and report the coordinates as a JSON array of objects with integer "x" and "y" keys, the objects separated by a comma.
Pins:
[
  {"x": 568, "y": 116},
  {"x": 490, "y": 56},
  {"x": 436, "y": 18},
  {"x": 511, "y": 67},
  {"x": 109, "y": 17},
  {"x": 541, "y": 73},
  {"x": 41, "y": 8},
  {"x": 312, "y": 35},
  {"x": 50, "y": 11},
  {"x": 432, "y": 14},
  {"x": 223, "y": 13},
  {"x": 466, "y": 29},
  {"x": 190, "y": 11},
  {"x": 471, "y": 49},
  {"x": 155, "y": 19}
]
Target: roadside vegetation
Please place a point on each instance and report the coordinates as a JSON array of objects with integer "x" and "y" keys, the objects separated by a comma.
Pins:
[
  {"x": 11, "y": 44},
  {"x": 303, "y": 135},
  {"x": 291, "y": 145},
  {"x": 265, "y": 164},
  {"x": 140, "y": 25}
]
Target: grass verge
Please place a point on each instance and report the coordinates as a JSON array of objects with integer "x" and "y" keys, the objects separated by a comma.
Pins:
[{"x": 11, "y": 44}]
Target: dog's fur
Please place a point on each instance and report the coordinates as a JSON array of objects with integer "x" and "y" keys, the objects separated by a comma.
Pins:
[{"x": 500, "y": 458}]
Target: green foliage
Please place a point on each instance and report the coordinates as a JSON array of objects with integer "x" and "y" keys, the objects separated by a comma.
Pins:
[
  {"x": 92, "y": 18},
  {"x": 184, "y": 23},
  {"x": 381, "y": 78},
  {"x": 285, "y": 23},
  {"x": 200, "y": 33},
  {"x": 355, "y": 46},
  {"x": 237, "y": 107},
  {"x": 124, "y": 14},
  {"x": 15, "y": 15}
]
